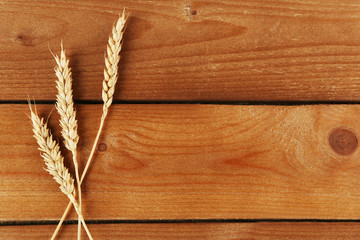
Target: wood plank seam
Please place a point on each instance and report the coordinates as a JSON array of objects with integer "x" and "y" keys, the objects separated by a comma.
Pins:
[{"x": 175, "y": 221}]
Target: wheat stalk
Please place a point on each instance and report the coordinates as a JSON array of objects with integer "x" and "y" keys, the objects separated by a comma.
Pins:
[
  {"x": 65, "y": 108},
  {"x": 54, "y": 161},
  {"x": 112, "y": 59}
]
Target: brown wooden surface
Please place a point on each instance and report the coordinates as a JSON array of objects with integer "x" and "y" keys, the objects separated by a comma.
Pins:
[
  {"x": 191, "y": 162},
  {"x": 216, "y": 231},
  {"x": 187, "y": 50},
  {"x": 174, "y": 162}
]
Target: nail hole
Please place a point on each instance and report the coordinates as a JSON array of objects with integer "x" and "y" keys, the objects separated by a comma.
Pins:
[
  {"x": 102, "y": 147},
  {"x": 193, "y": 12}
]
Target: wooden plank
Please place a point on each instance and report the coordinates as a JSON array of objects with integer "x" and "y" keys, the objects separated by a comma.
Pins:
[
  {"x": 209, "y": 50},
  {"x": 218, "y": 231},
  {"x": 193, "y": 162}
]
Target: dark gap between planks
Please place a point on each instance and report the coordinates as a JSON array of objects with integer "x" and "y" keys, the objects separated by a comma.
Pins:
[
  {"x": 170, "y": 221},
  {"x": 124, "y": 102}
]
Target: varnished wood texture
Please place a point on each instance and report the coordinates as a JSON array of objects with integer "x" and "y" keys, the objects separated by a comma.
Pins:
[
  {"x": 191, "y": 162},
  {"x": 241, "y": 172},
  {"x": 215, "y": 231},
  {"x": 187, "y": 50}
]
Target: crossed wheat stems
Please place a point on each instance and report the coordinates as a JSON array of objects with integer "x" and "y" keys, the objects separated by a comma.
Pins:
[{"x": 49, "y": 148}]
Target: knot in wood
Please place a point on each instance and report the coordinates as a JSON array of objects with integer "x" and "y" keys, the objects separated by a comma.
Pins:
[{"x": 343, "y": 141}]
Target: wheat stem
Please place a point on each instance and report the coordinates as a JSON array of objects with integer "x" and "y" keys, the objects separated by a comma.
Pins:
[
  {"x": 112, "y": 59},
  {"x": 79, "y": 190},
  {"x": 76, "y": 206},
  {"x": 82, "y": 178},
  {"x": 61, "y": 221},
  {"x": 66, "y": 110},
  {"x": 50, "y": 152}
]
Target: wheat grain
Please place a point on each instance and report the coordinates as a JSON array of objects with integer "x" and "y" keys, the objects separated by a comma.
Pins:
[
  {"x": 65, "y": 108},
  {"x": 50, "y": 152}
]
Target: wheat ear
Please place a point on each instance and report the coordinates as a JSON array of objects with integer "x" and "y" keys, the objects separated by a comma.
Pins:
[
  {"x": 112, "y": 59},
  {"x": 50, "y": 152},
  {"x": 65, "y": 108}
]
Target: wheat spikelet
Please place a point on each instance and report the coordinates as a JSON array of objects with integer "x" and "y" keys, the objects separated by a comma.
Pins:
[
  {"x": 52, "y": 156},
  {"x": 112, "y": 59}
]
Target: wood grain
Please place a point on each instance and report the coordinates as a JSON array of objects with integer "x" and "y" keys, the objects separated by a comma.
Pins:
[
  {"x": 218, "y": 231},
  {"x": 191, "y": 162},
  {"x": 204, "y": 51}
]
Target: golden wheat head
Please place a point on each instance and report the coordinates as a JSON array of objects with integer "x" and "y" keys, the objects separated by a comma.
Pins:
[
  {"x": 112, "y": 59},
  {"x": 65, "y": 103},
  {"x": 50, "y": 152}
]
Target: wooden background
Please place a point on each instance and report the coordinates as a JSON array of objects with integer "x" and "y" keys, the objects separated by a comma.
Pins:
[{"x": 232, "y": 119}]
